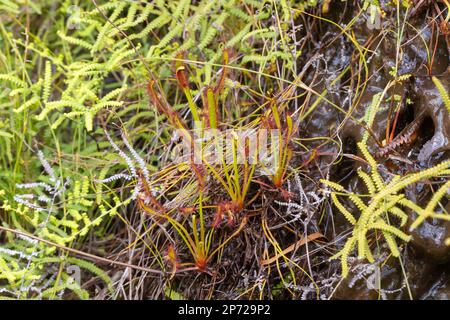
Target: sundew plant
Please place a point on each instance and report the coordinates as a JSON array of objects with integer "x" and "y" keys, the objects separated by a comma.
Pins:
[{"x": 224, "y": 149}]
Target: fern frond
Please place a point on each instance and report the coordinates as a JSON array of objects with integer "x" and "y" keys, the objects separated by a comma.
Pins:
[
  {"x": 373, "y": 164},
  {"x": 400, "y": 214},
  {"x": 34, "y": 100},
  {"x": 368, "y": 252},
  {"x": 157, "y": 23},
  {"x": 238, "y": 37},
  {"x": 114, "y": 93},
  {"x": 170, "y": 35},
  {"x": 239, "y": 13},
  {"x": 385, "y": 197},
  {"x": 50, "y": 106},
  {"x": 411, "y": 205},
  {"x": 435, "y": 171},
  {"x": 118, "y": 56},
  {"x": 390, "y": 240},
  {"x": 93, "y": 269},
  {"x": 371, "y": 112},
  {"x": 264, "y": 33},
  {"x": 357, "y": 201},
  {"x": 429, "y": 209},
  {"x": 345, "y": 252},
  {"x": 101, "y": 42},
  {"x": 212, "y": 31}
]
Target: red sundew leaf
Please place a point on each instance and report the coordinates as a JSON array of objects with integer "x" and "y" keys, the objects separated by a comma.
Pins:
[{"x": 182, "y": 78}]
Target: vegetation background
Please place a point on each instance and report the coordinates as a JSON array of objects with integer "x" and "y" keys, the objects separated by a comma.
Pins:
[{"x": 95, "y": 96}]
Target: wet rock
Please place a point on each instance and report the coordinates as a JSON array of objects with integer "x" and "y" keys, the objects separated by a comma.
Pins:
[
  {"x": 416, "y": 50},
  {"x": 440, "y": 290},
  {"x": 372, "y": 281},
  {"x": 421, "y": 274},
  {"x": 386, "y": 279}
]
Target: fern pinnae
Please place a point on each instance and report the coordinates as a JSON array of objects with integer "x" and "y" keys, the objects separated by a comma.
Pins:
[
  {"x": 370, "y": 114},
  {"x": 390, "y": 240},
  {"x": 411, "y": 205},
  {"x": 60, "y": 288},
  {"x": 333, "y": 185},
  {"x": 122, "y": 154},
  {"x": 180, "y": 8},
  {"x": 132, "y": 11},
  {"x": 256, "y": 58},
  {"x": 120, "y": 55},
  {"x": 238, "y": 37},
  {"x": 212, "y": 31},
  {"x": 437, "y": 196},
  {"x": 368, "y": 252},
  {"x": 104, "y": 104},
  {"x": 259, "y": 33},
  {"x": 13, "y": 79},
  {"x": 103, "y": 32},
  {"x": 206, "y": 8},
  {"x": 58, "y": 105},
  {"x": 88, "y": 120},
  {"x": 33, "y": 101},
  {"x": 93, "y": 269},
  {"x": 19, "y": 91},
  {"x": 157, "y": 23},
  {"x": 255, "y": 3},
  {"x": 393, "y": 182},
  {"x": 357, "y": 201},
  {"x": 376, "y": 178},
  {"x": 441, "y": 216},
  {"x": 367, "y": 181},
  {"x": 429, "y": 209},
  {"x": 399, "y": 213},
  {"x": 239, "y": 13},
  {"x": 443, "y": 92},
  {"x": 105, "y": 7},
  {"x": 383, "y": 226},
  {"x": 350, "y": 218},
  {"x": 361, "y": 232},
  {"x": 138, "y": 158},
  {"x": 425, "y": 174},
  {"x": 75, "y": 41},
  {"x": 188, "y": 44},
  {"x": 170, "y": 35},
  {"x": 114, "y": 93},
  {"x": 345, "y": 252},
  {"x": 387, "y": 205}
]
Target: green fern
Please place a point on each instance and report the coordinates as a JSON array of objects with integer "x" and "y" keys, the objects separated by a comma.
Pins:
[{"x": 385, "y": 198}]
